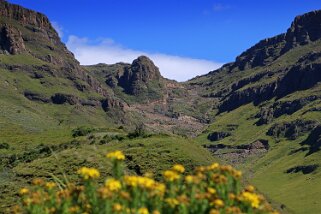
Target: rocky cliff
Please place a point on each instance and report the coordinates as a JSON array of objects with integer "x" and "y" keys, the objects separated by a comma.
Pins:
[
  {"x": 271, "y": 68},
  {"x": 140, "y": 79}
]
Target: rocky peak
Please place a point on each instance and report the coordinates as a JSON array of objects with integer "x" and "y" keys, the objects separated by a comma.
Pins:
[
  {"x": 144, "y": 69},
  {"x": 138, "y": 77},
  {"x": 23, "y": 15},
  {"x": 304, "y": 29}
]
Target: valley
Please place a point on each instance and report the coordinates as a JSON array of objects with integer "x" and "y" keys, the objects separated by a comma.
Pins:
[{"x": 260, "y": 114}]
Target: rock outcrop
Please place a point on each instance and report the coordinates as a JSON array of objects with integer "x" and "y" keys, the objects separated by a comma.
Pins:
[
  {"x": 11, "y": 41},
  {"x": 304, "y": 29},
  {"x": 216, "y": 136},
  {"x": 279, "y": 108},
  {"x": 292, "y": 130},
  {"x": 137, "y": 78},
  {"x": 299, "y": 77},
  {"x": 112, "y": 103},
  {"x": 23, "y": 15},
  {"x": 313, "y": 141},
  {"x": 60, "y": 98}
]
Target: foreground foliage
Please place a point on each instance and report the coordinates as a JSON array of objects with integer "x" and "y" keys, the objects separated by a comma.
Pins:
[{"x": 210, "y": 189}]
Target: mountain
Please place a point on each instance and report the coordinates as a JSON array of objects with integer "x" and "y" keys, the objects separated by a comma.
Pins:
[
  {"x": 268, "y": 114},
  {"x": 260, "y": 113}
]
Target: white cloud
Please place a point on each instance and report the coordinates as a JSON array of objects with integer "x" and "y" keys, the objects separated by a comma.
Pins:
[
  {"x": 107, "y": 51},
  {"x": 58, "y": 28}
]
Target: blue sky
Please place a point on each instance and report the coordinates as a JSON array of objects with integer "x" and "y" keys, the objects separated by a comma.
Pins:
[{"x": 202, "y": 34}]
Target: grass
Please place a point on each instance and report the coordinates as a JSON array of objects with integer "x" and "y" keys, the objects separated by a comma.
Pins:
[
  {"x": 152, "y": 154},
  {"x": 268, "y": 173}
]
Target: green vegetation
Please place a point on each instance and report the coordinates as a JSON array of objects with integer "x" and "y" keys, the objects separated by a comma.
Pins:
[{"x": 211, "y": 189}]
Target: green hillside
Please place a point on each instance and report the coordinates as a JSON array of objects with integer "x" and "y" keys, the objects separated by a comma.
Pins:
[{"x": 260, "y": 113}]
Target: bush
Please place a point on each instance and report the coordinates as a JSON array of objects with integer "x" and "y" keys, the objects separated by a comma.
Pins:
[
  {"x": 4, "y": 146},
  {"x": 211, "y": 189},
  {"x": 139, "y": 132},
  {"x": 81, "y": 131}
]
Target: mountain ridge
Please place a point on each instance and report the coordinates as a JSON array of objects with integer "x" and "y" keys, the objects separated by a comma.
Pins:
[{"x": 260, "y": 113}]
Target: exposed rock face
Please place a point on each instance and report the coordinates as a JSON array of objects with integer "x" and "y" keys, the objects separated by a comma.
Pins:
[
  {"x": 36, "y": 97},
  {"x": 33, "y": 30},
  {"x": 292, "y": 130},
  {"x": 260, "y": 144},
  {"x": 139, "y": 75},
  {"x": 23, "y": 15},
  {"x": 261, "y": 54},
  {"x": 304, "y": 29},
  {"x": 240, "y": 153},
  {"x": 112, "y": 103},
  {"x": 64, "y": 98},
  {"x": 267, "y": 114},
  {"x": 216, "y": 136},
  {"x": 313, "y": 141},
  {"x": 254, "y": 94},
  {"x": 11, "y": 40},
  {"x": 299, "y": 77}
]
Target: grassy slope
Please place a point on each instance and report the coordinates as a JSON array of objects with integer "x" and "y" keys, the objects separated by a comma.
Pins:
[
  {"x": 152, "y": 154},
  {"x": 298, "y": 192}
]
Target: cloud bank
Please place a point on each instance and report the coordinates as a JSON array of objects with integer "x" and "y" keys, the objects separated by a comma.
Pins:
[{"x": 90, "y": 52}]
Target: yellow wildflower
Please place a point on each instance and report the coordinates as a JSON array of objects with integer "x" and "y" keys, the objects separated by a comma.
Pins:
[
  {"x": 50, "y": 185},
  {"x": 213, "y": 166},
  {"x": 156, "y": 212},
  {"x": 237, "y": 173},
  {"x": 37, "y": 182},
  {"x": 88, "y": 173},
  {"x": 178, "y": 168},
  {"x": 189, "y": 179},
  {"x": 213, "y": 211},
  {"x": 218, "y": 203},
  {"x": 117, "y": 207},
  {"x": 131, "y": 181},
  {"x": 251, "y": 198},
  {"x": 233, "y": 210},
  {"x": 104, "y": 192},
  {"x": 170, "y": 175},
  {"x": 24, "y": 191},
  {"x": 116, "y": 155},
  {"x": 159, "y": 188},
  {"x": 231, "y": 196},
  {"x": 113, "y": 185},
  {"x": 172, "y": 202},
  {"x": 143, "y": 210},
  {"x": 211, "y": 190},
  {"x": 250, "y": 188},
  {"x": 74, "y": 209}
]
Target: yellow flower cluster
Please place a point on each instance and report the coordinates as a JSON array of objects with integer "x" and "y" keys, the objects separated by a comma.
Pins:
[
  {"x": 88, "y": 173},
  {"x": 113, "y": 185},
  {"x": 210, "y": 189},
  {"x": 171, "y": 175},
  {"x": 178, "y": 168},
  {"x": 116, "y": 155},
  {"x": 252, "y": 198}
]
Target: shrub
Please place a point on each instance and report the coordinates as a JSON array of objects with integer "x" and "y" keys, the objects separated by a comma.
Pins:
[
  {"x": 139, "y": 132},
  {"x": 81, "y": 131},
  {"x": 210, "y": 189},
  {"x": 4, "y": 146}
]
